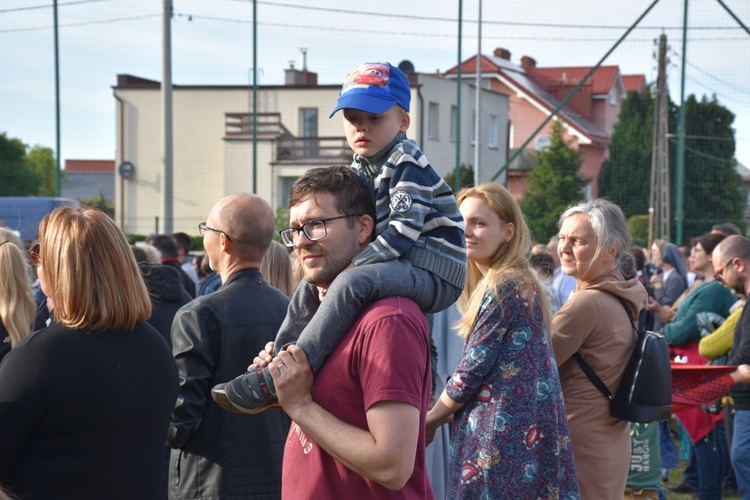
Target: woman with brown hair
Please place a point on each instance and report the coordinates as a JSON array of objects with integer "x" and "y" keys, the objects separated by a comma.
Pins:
[{"x": 85, "y": 403}]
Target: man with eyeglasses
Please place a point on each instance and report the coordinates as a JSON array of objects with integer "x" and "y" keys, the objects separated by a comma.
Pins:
[
  {"x": 731, "y": 260},
  {"x": 359, "y": 432},
  {"x": 218, "y": 454}
]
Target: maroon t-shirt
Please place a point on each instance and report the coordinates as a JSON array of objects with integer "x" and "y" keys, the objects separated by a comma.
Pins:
[{"x": 385, "y": 356}]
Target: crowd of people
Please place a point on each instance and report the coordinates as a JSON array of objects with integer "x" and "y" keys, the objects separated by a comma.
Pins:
[{"x": 256, "y": 369}]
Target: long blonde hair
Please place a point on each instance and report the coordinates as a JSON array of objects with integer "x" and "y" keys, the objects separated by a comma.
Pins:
[
  {"x": 17, "y": 307},
  {"x": 508, "y": 263},
  {"x": 94, "y": 281},
  {"x": 276, "y": 268}
]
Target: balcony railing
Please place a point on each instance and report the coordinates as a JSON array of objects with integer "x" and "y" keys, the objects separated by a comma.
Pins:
[
  {"x": 240, "y": 126},
  {"x": 289, "y": 149},
  {"x": 313, "y": 149}
]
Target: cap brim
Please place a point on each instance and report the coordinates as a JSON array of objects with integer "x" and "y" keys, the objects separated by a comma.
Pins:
[{"x": 368, "y": 104}]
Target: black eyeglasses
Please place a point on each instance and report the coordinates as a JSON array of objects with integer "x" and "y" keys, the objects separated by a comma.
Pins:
[
  {"x": 314, "y": 230},
  {"x": 719, "y": 276},
  {"x": 202, "y": 228},
  {"x": 34, "y": 255}
]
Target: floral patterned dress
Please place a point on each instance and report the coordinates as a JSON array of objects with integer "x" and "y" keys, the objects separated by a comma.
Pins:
[{"x": 511, "y": 438}]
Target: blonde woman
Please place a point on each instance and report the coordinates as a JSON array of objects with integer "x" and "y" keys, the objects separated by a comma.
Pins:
[
  {"x": 86, "y": 402},
  {"x": 17, "y": 308},
  {"x": 276, "y": 268},
  {"x": 509, "y": 432}
]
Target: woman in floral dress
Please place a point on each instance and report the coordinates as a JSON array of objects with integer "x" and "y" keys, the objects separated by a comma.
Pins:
[{"x": 510, "y": 434}]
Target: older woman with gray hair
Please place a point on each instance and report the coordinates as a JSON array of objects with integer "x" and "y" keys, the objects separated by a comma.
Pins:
[{"x": 593, "y": 247}]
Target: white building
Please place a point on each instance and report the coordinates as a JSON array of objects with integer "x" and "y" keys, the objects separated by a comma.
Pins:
[{"x": 213, "y": 140}]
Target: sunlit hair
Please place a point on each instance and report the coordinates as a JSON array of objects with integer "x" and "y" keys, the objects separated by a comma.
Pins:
[
  {"x": 91, "y": 274},
  {"x": 17, "y": 308},
  {"x": 609, "y": 225},
  {"x": 508, "y": 263},
  {"x": 153, "y": 255},
  {"x": 350, "y": 196},
  {"x": 735, "y": 246},
  {"x": 276, "y": 268},
  {"x": 709, "y": 241}
]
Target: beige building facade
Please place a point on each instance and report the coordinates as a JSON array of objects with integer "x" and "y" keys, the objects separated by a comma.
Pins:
[{"x": 213, "y": 141}]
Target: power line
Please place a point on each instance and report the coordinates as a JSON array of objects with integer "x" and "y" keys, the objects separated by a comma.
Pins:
[
  {"x": 704, "y": 155},
  {"x": 732, "y": 86},
  {"x": 82, "y": 23},
  {"x": 379, "y": 14},
  {"x": 484, "y": 22},
  {"x": 48, "y": 6}
]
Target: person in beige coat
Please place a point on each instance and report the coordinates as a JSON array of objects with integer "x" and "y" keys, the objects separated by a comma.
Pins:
[{"x": 593, "y": 247}]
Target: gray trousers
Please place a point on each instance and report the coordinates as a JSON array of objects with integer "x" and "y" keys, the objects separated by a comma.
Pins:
[{"x": 316, "y": 327}]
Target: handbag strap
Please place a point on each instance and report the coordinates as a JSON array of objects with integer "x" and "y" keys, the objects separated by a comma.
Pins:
[{"x": 592, "y": 376}]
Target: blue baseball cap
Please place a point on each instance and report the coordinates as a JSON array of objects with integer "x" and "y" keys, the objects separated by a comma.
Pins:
[{"x": 374, "y": 88}]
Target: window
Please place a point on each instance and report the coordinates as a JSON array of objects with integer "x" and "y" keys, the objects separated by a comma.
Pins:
[
  {"x": 308, "y": 122},
  {"x": 454, "y": 115},
  {"x": 494, "y": 131},
  {"x": 433, "y": 121},
  {"x": 511, "y": 137},
  {"x": 474, "y": 128},
  {"x": 587, "y": 192},
  {"x": 286, "y": 186}
]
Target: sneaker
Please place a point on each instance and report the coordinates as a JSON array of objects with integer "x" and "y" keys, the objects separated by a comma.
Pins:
[
  {"x": 252, "y": 392},
  {"x": 683, "y": 488},
  {"x": 219, "y": 394}
]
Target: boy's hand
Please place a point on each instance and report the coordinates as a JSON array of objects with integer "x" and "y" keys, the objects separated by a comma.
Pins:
[{"x": 263, "y": 358}]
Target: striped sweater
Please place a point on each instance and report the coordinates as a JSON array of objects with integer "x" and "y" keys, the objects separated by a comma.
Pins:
[{"x": 417, "y": 215}]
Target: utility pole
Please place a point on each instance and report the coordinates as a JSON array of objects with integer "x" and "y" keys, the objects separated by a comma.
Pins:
[
  {"x": 477, "y": 103},
  {"x": 58, "y": 185},
  {"x": 660, "y": 186},
  {"x": 166, "y": 96}
]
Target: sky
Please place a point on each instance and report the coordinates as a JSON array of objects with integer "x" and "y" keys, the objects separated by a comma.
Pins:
[{"x": 212, "y": 45}]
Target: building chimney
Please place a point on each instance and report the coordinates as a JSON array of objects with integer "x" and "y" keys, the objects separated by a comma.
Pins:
[
  {"x": 502, "y": 53},
  {"x": 304, "y": 59},
  {"x": 294, "y": 77},
  {"x": 528, "y": 62}
]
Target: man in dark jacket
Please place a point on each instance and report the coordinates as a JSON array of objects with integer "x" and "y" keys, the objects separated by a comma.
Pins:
[
  {"x": 731, "y": 261},
  {"x": 170, "y": 257},
  {"x": 218, "y": 454}
]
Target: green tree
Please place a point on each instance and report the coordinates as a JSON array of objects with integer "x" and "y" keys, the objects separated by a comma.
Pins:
[
  {"x": 625, "y": 177},
  {"x": 41, "y": 161},
  {"x": 554, "y": 184},
  {"x": 711, "y": 193},
  {"x": 466, "y": 176},
  {"x": 16, "y": 177},
  {"x": 712, "y": 185},
  {"x": 282, "y": 222},
  {"x": 100, "y": 203}
]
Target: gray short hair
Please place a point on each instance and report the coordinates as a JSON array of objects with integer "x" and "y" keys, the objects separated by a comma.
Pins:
[{"x": 609, "y": 224}]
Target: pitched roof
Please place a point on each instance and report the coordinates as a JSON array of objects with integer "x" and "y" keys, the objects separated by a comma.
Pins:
[
  {"x": 601, "y": 81},
  {"x": 533, "y": 82},
  {"x": 635, "y": 83}
]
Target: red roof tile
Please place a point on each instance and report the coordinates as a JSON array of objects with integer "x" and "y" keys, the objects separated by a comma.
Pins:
[
  {"x": 601, "y": 81},
  {"x": 90, "y": 165},
  {"x": 635, "y": 83}
]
